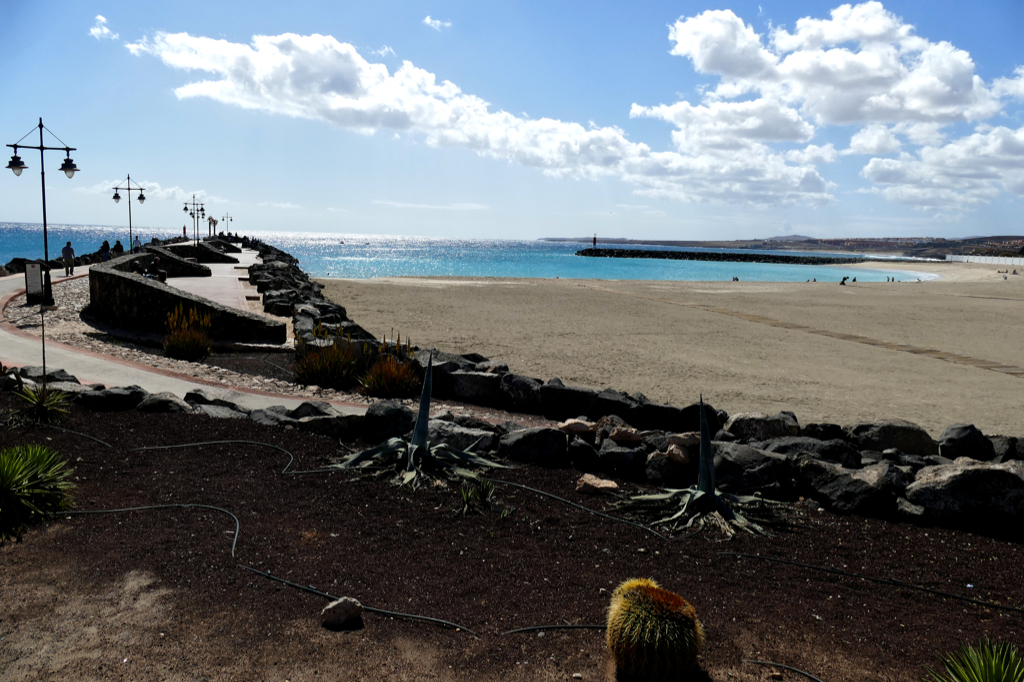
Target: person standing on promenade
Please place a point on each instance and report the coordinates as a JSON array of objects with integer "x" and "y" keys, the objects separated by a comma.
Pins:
[
  {"x": 118, "y": 249},
  {"x": 136, "y": 246},
  {"x": 69, "y": 260},
  {"x": 105, "y": 251}
]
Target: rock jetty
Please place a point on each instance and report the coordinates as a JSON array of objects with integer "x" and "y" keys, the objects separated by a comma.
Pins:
[{"x": 718, "y": 256}]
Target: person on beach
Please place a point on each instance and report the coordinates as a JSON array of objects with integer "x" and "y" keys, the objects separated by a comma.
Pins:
[
  {"x": 105, "y": 251},
  {"x": 136, "y": 246},
  {"x": 68, "y": 254}
]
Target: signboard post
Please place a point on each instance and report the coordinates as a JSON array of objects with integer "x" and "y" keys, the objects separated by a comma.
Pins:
[{"x": 34, "y": 289}]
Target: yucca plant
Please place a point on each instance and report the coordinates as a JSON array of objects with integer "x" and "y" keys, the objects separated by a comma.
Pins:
[
  {"x": 987, "y": 662},
  {"x": 390, "y": 377},
  {"x": 44, "y": 404},
  {"x": 188, "y": 334},
  {"x": 652, "y": 634},
  {"x": 417, "y": 461},
  {"x": 700, "y": 505},
  {"x": 33, "y": 485}
]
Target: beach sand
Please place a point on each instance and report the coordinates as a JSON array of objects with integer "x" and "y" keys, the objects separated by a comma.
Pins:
[{"x": 829, "y": 353}]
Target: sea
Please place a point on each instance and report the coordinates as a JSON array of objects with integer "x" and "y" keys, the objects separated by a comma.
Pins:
[{"x": 361, "y": 256}]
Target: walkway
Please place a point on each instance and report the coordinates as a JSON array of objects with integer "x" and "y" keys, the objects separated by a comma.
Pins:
[
  {"x": 20, "y": 348},
  {"x": 224, "y": 286}
]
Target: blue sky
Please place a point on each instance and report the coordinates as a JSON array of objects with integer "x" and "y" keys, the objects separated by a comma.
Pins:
[{"x": 521, "y": 120}]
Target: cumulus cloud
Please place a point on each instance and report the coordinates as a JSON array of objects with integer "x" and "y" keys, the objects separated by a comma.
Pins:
[
  {"x": 100, "y": 31},
  {"x": 862, "y": 69},
  {"x": 874, "y": 139},
  {"x": 436, "y": 24},
  {"x": 318, "y": 77},
  {"x": 280, "y": 204},
  {"x": 153, "y": 190},
  {"x": 384, "y": 51}
]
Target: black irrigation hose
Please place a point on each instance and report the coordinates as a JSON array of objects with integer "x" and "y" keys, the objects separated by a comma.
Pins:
[
  {"x": 83, "y": 435},
  {"x": 291, "y": 457},
  {"x": 383, "y": 612},
  {"x": 787, "y": 667},
  {"x": 532, "y": 628},
  {"x": 591, "y": 511},
  {"x": 884, "y": 581},
  {"x": 238, "y": 526}
]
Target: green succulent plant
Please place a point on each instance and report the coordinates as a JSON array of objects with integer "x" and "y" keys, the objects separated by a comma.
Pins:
[
  {"x": 987, "y": 662},
  {"x": 33, "y": 485},
  {"x": 700, "y": 505},
  {"x": 44, "y": 404},
  {"x": 652, "y": 634},
  {"x": 417, "y": 461}
]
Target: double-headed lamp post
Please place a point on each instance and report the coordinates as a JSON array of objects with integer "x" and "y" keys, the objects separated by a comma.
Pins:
[
  {"x": 117, "y": 199},
  {"x": 196, "y": 211},
  {"x": 227, "y": 221},
  {"x": 69, "y": 169}
]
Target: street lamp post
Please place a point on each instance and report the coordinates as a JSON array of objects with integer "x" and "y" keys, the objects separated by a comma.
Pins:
[
  {"x": 117, "y": 199},
  {"x": 196, "y": 211},
  {"x": 227, "y": 221},
  {"x": 69, "y": 169}
]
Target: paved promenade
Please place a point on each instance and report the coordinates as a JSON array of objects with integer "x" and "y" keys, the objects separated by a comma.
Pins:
[{"x": 20, "y": 348}]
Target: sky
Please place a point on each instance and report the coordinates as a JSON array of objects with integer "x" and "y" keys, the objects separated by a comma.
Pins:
[{"x": 648, "y": 120}]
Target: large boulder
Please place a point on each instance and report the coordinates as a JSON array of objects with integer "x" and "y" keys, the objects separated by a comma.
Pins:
[
  {"x": 664, "y": 471},
  {"x": 387, "y": 419},
  {"x": 541, "y": 446},
  {"x": 837, "y": 451},
  {"x": 1007, "y": 448},
  {"x": 582, "y": 455},
  {"x": 476, "y": 388},
  {"x": 274, "y": 415},
  {"x": 971, "y": 493},
  {"x": 313, "y": 408},
  {"x": 758, "y": 426},
  {"x": 460, "y": 437},
  {"x": 559, "y": 401},
  {"x": 884, "y": 434},
  {"x": 648, "y": 415},
  {"x": 823, "y": 431},
  {"x": 52, "y": 375},
  {"x": 742, "y": 469},
  {"x": 622, "y": 461},
  {"x": 965, "y": 440},
  {"x": 871, "y": 491},
  {"x": 119, "y": 399},
  {"x": 163, "y": 402},
  {"x": 521, "y": 393}
]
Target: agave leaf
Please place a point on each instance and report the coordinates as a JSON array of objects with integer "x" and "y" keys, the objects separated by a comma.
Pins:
[
  {"x": 390, "y": 446},
  {"x": 706, "y": 468},
  {"x": 419, "y": 433},
  {"x": 446, "y": 452},
  {"x": 409, "y": 477}
]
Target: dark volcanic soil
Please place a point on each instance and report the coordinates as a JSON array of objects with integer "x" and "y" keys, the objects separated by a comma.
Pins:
[{"x": 156, "y": 595}]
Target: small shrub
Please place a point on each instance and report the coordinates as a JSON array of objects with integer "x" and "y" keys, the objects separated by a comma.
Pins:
[
  {"x": 653, "y": 634},
  {"x": 391, "y": 377},
  {"x": 33, "y": 485},
  {"x": 44, "y": 404},
  {"x": 334, "y": 366},
  {"x": 986, "y": 663},
  {"x": 188, "y": 335}
]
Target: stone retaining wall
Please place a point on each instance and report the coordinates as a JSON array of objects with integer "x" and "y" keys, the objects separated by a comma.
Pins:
[
  {"x": 130, "y": 301},
  {"x": 204, "y": 253}
]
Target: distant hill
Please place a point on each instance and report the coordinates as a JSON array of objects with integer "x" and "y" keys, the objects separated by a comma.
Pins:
[{"x": 789, "y": 238}]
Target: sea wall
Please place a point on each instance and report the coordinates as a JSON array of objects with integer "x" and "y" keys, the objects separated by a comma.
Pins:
[{"x": 718, "y": 257}]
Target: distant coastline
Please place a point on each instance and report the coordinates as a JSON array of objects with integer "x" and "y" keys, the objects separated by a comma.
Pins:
[{"x": 719, "y": 257}]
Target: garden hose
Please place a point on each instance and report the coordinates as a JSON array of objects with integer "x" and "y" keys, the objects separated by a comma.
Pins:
[
  {"x": 787, "y": 667},
  {"x": 268, "y": 574},
  {"x": 533, "y": 628},
  {"x": 884, "y": 581},
  {"x": 83, "y": 435},
  {"x": 291, "y": 457}
]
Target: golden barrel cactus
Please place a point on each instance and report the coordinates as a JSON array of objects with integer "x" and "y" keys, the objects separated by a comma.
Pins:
[{"x": 653, "y": 634}]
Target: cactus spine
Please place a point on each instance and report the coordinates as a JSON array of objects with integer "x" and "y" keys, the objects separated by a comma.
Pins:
[{"x": 653, "y": 634}]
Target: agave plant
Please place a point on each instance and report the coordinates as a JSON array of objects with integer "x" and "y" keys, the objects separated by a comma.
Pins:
[
  {"x": 33, "y": 486},
  {"x": 44, "y": 404},
  {"x": 986, "y": 663},
  {"x": 418, "y": 461},
  {"x": 701, "y": 505}
]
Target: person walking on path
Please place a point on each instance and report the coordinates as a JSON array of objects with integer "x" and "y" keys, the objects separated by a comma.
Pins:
[
  {"x": 69, "y": 260},
  {"x": 136, "y": 246}
]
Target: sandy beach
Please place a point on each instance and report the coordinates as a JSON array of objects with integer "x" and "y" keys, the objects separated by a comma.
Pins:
[{"x": 829, "y": 353}]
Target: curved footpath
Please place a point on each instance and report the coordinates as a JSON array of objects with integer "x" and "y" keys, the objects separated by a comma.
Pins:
[{"x": 20, "y": 348}]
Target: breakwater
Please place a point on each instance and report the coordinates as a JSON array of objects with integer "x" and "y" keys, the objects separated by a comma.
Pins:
[{"x": 715, "y": 256}]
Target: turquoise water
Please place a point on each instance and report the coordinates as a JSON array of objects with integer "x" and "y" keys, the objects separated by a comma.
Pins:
[{"x": 366, "y": 256}]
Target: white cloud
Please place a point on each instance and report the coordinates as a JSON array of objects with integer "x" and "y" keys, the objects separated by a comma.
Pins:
[
  {"x": 100, "y": 31},
  {"x": 971, "y": 170},
  {"x": 812, "y": 153},
  {"x": 280, "y": 204},
  {"x": 436, "y": 24},
  {"x": 317, "y": 77},
  {"x": 384, "y": 51},
  {"x": 439, "y": 207},
  {"x": 874, "y": 139},
  {"x": 152, "y": 190}
]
